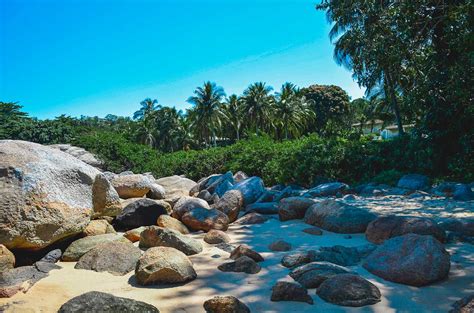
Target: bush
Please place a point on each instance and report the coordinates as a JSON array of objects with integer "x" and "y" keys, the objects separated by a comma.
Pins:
[{"x": 389, "y": 177}]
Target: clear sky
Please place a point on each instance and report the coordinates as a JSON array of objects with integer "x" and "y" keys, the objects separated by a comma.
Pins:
[{"x": 94, "y": 57}]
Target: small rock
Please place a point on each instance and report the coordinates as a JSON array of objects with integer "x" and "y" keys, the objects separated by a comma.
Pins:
[
  {"x": 131, "y": 186},
  {"x": 349, "y": 290},
  {"x": 95, "y": 301},
  {"x": 328, "y": 189},
  {"x": 155, "y": 236},
  {"x": 279, "y": 245},
  {"x": 286, "y": 291},
  {"x": 251, "y": 218},
  {"x": 313, "y": 231},
  {"x": 134, "y": 234},
  {"x": 98, "y": 227},
  {"x": 164, "y": 265},
  {"x": 215, "y": 236},
  {"x": 225, "y": 304},
  {"x": 156, "y": 192},
  {"x": 242, "y": 264},
  {"x": 167, "y": 221},
  {"x": 464, "y": 305},
  {"x": 105, "y": 199},
  {"x": 298, "y": 258},
  {"x": 227, "y": 247},
  {"x": 52, "y": 256},
  {"x": 7, "y": 259},
  {"x": 244, "y": 250},
  {"x": 230, "y": 204},
  {"x": 81, "y": 246}
]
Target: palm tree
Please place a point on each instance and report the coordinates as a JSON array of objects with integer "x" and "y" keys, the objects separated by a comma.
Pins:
[
  {"x": 146, "y": 121},
  {"x": 233, "y": 113},
  {"x": 291, "y": 110},
  {"x": 147, "y": 107},
  {"x": 257, "y": 103},
  {"x": 207, "y": 113}
]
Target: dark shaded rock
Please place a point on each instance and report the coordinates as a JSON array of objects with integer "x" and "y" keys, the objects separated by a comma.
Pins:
[
  {"x": 242, "y": 264},
  {"x": 414, "y": 182},
  {"x": 252, "y": 218},
  {"x": 52, "y": 256},
  {"x": 142, "y": 212},
  {"x": 349, "y": 290},
  {"x": 155, "y": 236},
  {"x": 298, "y": 258},
  {"x": 230, "y": 204},
  {"x": 117, "y": 258},
  {"x": 268, "y": 196},
  {"x": 205, "y": 195},
  {"x": 311, "y": 275},
  {"x": 251, "y": 189},
  {"x": 410, "y": 259},
  {"x": 221, "y": 184},
  {"x": 205, "y": 219},
  {"x": 263, "y": 207},
  {"x": 164, "y": 265},
  {"x": 215, "y": 236},
  {"x": 95, "y": 301},
  {"x": 345, "y": 256},
  {"x": 225, "y": 304},
  {"x": 338, "y": 217},
  {"x": 81, "y": 246},
  {"x": 294, "y": 208},
  {"x": 285, "y": 193},
  {"x": 349, "y": 197},
  {"x": 464, "y": 305},
  {"x": 244, "y": 250},
  {"x": 227, "y": 247},
  {"x": 387, "y": 227},
  {"x": 463, "y": 192},
  {"x": 313, "y": 231},
  {"x": 461, "y": 226},
  {"x": 328, "y": 189},
  {"x": 279, "y": 245},
  {"x": 286, "y": 291}
]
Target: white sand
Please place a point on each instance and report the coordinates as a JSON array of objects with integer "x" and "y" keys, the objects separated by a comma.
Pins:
[{"x": 255, "y": 290}]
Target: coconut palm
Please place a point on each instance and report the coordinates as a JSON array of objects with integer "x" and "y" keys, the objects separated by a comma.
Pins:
[
  {"x": 257, "y": 103},
  {"x": 206, "y": 113},
  {"x": 233, "y": 113},
  {"x": 147, "y": 107},
  {"x": 146, "y": 115}
]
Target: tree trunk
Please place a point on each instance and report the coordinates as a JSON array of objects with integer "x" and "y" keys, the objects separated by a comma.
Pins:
[{"x": 390, "y": 92}]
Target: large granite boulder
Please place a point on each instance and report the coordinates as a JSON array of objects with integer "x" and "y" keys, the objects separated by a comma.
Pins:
[
  {"x": 349, "y": 290},
  {"x": 142, "y": 212},
  {"x": 167, "y": 221},
  {"x": 294, "y": 208},
  {"x": 176, "y": 186},
  {"x": 231, "y": 203},
  {"x": 410, "y": 259},
  {"x": 225, "y": 304},
  {"x": 328, "y": 189},
  {"x": 105, "y": 199},
  {"x": 154, "y": 236},
  {"x": 115, "y": 257},
  {"x": 338, "y": 217},
  {"x": 81, "y": 154},
  {"x": 46, "y": 195},
  {"x": 186, "y": 204},
  {"x": 164, "y": 265},
  {"x": 311, "y": 275},
  {"x": 81, "y": 246},
  {"x": 131, "y": 186},
  {"x": 95, "y": 301},
  {"x": 205, "y": 219},
  {"x": 7, "y": 259},
  {"x": 414, "y": 182},
  {"x": 251, "y": 189},
  {"x": 286, "y": 291},
  {"x": 387, "y": 227}
]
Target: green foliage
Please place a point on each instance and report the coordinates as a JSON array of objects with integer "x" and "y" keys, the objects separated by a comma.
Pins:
[{"x": 388, "y": 177}]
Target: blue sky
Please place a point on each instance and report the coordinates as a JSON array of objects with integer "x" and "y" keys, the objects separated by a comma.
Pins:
[{"x": 94, "y": 57}]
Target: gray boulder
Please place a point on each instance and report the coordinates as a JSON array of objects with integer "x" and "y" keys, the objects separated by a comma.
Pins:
[
  {"x": 131, "y": 186},
  {"x": 338, "y": 217},
  {"x": 294, "y": 208},
  {"x": 81, "y": 154},
  {"x": 251, "y": 189},
  {"x": 176, "y": 186},
  {"x": 387, "y": 227},
  {"x": 164, "y": 265},
  {"x": 215, "y": 236},
  {"x": 46, "y": 195},
  {"x": 410, "y": 259},
  {"x": 117, "y": 258},
  {"x": 298, "y": 258},
  {"x": 349, "y": 290},
  {"x": 230, "y": 204},
  {"x": 81, "y": 246},
  {"x": 311, "y": 275},
  {"x": 280, "y": 245},
  {"x": 156, "y": 192},
  {"x": 286, "y": 291},
  {"x": 328, "y": 189},
  {"x": 154, "y": 236},
  {"x": 186, "y": 204},
  {"x": 204, "y": 219},
  {"x": 414, "y": 182},
  {"x": 95, "y": 301}
]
